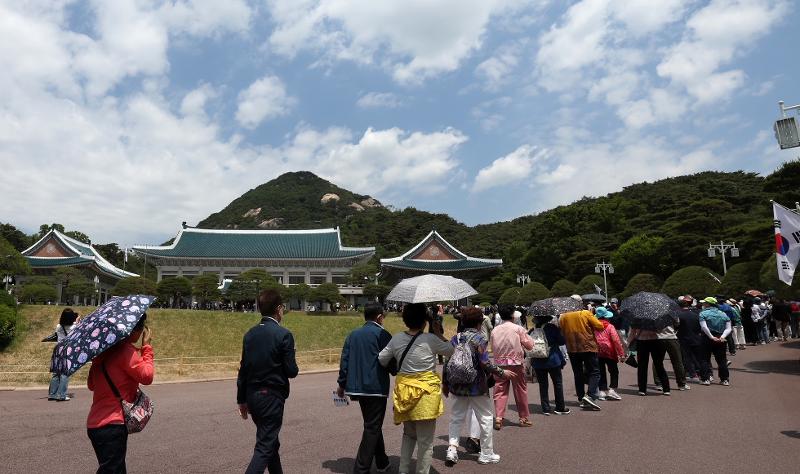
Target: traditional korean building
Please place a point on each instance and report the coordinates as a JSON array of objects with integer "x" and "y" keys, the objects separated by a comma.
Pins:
[
  {"x": 56, "y": 250},
  {"x": 434, "y": 254},
  {"x": 290, "y": 256}
]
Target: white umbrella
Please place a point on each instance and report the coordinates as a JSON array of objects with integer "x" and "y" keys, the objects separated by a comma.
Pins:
[{"x": 430, "y": 288}]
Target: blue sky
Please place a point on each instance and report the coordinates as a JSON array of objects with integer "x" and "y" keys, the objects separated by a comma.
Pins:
[{"x": 124, "y": 118}]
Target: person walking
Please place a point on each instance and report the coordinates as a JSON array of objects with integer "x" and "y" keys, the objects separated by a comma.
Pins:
[
  {"x": 690, "y": 338},
  {"x": 748, "y": 322},
  {"x": 760, "y": 315},
  {"x": 578, "y": 329},
  {"x": 59, "y": 382},
  {"x": 471, "y": 396},
  {"x": 609, "y": 352},
  {"x": 673, "y": 348},
  {"x": 417, "y": 397},
  {"x": 726, "y": 308},
  {"x": 268, "y": 362},
  {"x": 552, "y": 366},
  {"x": 364, "y": 380},
  {"x": 126, "y": 366},
  {"x": 781, "y": 313},
  {"x": 716, "y": 326},
  {"x": 795, "y": 319},
  {"x": 509, "y": 343},
  {"x": 736, "y": 322},
  {"x": 649, "y": 346}
]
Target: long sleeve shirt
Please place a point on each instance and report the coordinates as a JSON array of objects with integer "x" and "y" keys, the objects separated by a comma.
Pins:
[
  {"x": 268, "y": 359},
  {"x": 127, "y": 368},
  {"x": 578, "y": 329},
  {"x": 509, "y": 343},
  {"x": 421, "y": 357}
]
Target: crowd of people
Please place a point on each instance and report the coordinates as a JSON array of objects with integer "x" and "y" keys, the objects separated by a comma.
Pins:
[{"x": 483, "y": 363}]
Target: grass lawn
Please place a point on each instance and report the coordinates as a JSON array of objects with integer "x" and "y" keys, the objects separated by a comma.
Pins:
[{"x": 188, "y": 344}]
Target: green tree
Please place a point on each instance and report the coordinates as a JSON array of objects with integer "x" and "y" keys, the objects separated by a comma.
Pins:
[
  {"x": 362, "y": 273},
  {"x": 134, "y": 286},
  {"x": 740, "y": 278},
  {"x": 18, "y": 239},
  {"x": 246, "y": 286},
  {"x": 11, "y": 261},
  {"x": 8, "y": 325},
  {"x": 642, "y": 282},
  {"x": 639, "y": 254},
  {"x": 563, "y": 288},
  {"x": 173, "y": 290},
  {"x": 38, "y": 290},
  {"x": 490, "y": 291},
  {"x": 79, "y": 236},
  {"x": 327, "y": 293},
  {"x": 587, "y": 283},
  {"x": 44, "y": 229},
  {"x": 379, "y": 291},
  {"x": 694, "y": 280},
  {"x": 769, "y": 281},
  {"x": 205, "y": 288},
  {"x": 525, "y": 295}
]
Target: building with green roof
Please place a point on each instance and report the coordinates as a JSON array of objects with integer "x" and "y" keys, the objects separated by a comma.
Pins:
[
  {"x": 56, "y": 250},
  {"x": 292, "y": 257},
  {"x": 434, "y": 254}
]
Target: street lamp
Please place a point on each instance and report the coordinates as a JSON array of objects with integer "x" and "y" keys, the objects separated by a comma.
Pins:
[
  {"x": 786, "y": 128},
  {"x": 7, "y": 278},
  {"x": 522, "y": 279},
  {"x": 605, "y": 268},
  {"x": 723, "y": 248},
  {"x": 97, "y": 290}
]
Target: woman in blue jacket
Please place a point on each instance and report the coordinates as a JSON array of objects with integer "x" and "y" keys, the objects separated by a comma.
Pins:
[{"x": 551, "y": 366}]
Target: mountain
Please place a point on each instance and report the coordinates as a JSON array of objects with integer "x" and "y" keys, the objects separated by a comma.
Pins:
[
  {"x": 654, "y": 227},
  {"x": 299, "y": 200}
]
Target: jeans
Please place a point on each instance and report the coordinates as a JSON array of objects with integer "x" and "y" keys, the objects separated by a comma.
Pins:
[
  {"x": 417, "y": 434},
  {"x": 266, "y": 409},
  {"x": 520, "y": 387},
  {"x": 673, "y": 348},
  {"x": 585, "y": 361},
  {"x": 481, "y": 405},
  {"x": 655, "y": 349},
  {"x": 763, "y": 331},
  {"x": 544, "y": 389},
  {"x": 58, "y": 387},
  {"x": 718, "y": 350},
  {"x": 110, "y": 445},
  {"x": 783, "y": 329},
  {"x": 373, "y": 410}
]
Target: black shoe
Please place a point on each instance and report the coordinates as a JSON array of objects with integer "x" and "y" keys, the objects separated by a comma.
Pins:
[{"x": 472, "y": 446}]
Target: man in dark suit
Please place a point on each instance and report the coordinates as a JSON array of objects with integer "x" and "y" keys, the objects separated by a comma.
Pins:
[
  {"x": 268, "y": 362},
  {"x": 362, "y": 378}
]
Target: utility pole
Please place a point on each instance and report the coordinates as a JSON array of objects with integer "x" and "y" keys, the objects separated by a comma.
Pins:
[
  {"x": 723, "y": 249},
  {"x": 605, "y": 268}
]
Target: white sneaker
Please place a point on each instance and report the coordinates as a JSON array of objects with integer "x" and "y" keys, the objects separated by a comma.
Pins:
[
  {"x": 452, "y": 455},
  {"x": 602, "y": 394},
  {"x": 684, "y": 387},
  {"x": 488, "y": 459},
  {"x": 613, "y": 395}
]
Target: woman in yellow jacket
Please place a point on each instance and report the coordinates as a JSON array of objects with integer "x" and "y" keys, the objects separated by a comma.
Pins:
[{"x": 417, "y": 394}]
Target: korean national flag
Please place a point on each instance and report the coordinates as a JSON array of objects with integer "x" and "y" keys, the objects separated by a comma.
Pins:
[{"x": 787, "y": 241}]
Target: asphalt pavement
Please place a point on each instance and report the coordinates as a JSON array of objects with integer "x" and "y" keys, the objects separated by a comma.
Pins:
[{"x": 751, "y": 426}]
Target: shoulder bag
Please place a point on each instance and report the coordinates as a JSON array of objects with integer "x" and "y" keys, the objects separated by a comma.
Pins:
[
  {"x": 394, "y": 366},
  {"x": 136, "y": 414}
]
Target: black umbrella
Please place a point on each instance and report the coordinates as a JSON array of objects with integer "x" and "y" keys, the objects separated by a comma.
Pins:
[
  {"x": 651, "y": 311},
  {"x": 593, "y": 297},
  {"x": 554, "y": 306}
]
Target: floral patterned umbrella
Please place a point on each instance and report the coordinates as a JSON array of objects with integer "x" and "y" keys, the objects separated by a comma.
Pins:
[
  {"x": 652, "y": 311},
  {"x": 99, "y": 331}
]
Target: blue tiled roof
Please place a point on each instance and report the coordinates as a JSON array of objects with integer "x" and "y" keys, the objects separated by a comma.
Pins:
[
  {"x": 246, "y": 244},
  {"x": 440, "y": 265},
  {"x": 84, "y": 254}
]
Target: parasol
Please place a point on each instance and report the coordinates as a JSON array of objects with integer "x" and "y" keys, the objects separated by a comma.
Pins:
[
  {"x": 652, "y": 311},
  {"x": 430, "y": 288},
  {"x": 554, "y": 306},
  {"x": 99, "y": 331}
]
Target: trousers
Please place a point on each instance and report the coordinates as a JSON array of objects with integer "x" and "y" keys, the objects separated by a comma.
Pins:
[
  {"x": 110, "y": 445},
  {"x": 673, "y": 348},
  {"x": 718, "y": 350},
  {"x": 655, "y": 349},
  {"x": 417, "y": 434},
  {"x": 609, "y": 365},
  {"x": 584, "y": 365},
  {"x": 520, "y": 387},
  {"x": 544, "y": 390},
  {"x": 266, "y": 409},
  {"x": 481, "y": 405},
  {"x": 373, "y": 411}
]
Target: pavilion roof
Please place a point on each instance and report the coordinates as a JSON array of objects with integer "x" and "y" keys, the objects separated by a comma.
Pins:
[
  {"x": 70, "y": 252},
  {"x": 256, "y": 244},
  {"x": 434, "y": 254}
]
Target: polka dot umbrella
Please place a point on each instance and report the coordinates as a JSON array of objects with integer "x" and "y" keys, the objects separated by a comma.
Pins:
[{"x": 107, "y": 326}]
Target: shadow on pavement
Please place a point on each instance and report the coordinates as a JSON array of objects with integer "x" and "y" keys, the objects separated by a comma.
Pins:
[
  {"x": 790, "y": 367},
  {"x": 345, "y": 465},
  {"x": 791, "y": 433}
]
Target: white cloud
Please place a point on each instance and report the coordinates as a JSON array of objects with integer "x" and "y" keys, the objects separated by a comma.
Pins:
[
  {"x": 496, "y": 69},
  {"x": 414, "y": 39},
  {"x": 716, "y": 34},
  {"x": 264, "y": 99},
  {"x": 374, "y": 100},
  {"x": 513, "y": 168}
]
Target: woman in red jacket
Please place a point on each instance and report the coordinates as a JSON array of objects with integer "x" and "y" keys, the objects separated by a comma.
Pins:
[
  {"x": 127, "y": 367},
  {"x": 609, "y": 352}
]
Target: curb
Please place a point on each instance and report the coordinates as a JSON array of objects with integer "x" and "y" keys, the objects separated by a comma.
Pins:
[{"x": 165, "y": 382}]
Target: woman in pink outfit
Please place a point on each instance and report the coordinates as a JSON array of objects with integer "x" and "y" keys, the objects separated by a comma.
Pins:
[
  {"x": 609, "y": 352},
  {"x": 509, "y": 342}
]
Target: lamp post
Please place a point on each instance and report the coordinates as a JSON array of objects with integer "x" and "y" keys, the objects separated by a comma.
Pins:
[
  {"x": 7, "y": 278},
  {"x": 97, "y": 290},
  {"x": 605, "y": 268},
  {"x": 786, "y": 128},
  {"x": 723, "y": 249},
  {"x": 523, "y": 279}
]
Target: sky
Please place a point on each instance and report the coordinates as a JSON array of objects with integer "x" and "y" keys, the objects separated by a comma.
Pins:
[{"x": 124, "y": 118}]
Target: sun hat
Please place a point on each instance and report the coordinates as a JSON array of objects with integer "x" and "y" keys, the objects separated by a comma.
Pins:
[
  {"x": 710, "y": 300},
  {"x": 602, "y": 312}
]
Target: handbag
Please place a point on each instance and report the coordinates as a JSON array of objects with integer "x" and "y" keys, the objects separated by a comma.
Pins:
[
  {"x": 394, "y": 366},
  {"x": 631, "y": 360},
  {"x": 136, "y": 414}
]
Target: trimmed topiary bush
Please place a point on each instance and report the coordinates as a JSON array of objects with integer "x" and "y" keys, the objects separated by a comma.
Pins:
[
  {"x": 586, "y": 285},
  {"x": 8, "y": 325},
  {"x": 740, "y": 278},
  {"x": 642, "y": 282},
  {"x": 563, "y": 288},
  {"x": 695, "y": 280}
]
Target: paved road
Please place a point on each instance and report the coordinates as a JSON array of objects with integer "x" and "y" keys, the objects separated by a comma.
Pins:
[{"x": 752, "y": 426}]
